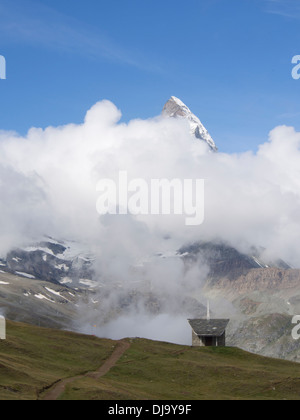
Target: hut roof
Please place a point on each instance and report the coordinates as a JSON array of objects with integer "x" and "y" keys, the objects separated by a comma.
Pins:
[{"x": 212, "y": 327}]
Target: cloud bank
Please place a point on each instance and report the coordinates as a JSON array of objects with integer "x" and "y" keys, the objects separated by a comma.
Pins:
[
  {"x": 48, "y": 186},
  {"x": 49, "y": 178}
]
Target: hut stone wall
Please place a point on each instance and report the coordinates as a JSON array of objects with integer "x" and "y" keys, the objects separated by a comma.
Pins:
[{"x": 204, "y": 341}]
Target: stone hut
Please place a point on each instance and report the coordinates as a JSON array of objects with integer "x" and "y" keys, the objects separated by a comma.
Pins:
[{"x": 209, "y": 332}]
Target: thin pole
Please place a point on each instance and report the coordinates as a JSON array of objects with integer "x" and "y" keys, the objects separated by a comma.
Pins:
[{"x": 208, "y": 311}]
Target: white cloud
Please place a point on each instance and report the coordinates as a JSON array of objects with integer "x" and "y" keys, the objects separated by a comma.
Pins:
[
  {"x": 50, "y": 176},
  {"x": 285, "y": 8}
]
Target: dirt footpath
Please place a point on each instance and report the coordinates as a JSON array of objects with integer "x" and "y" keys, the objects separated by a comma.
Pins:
[{"x": 57, "y": 390}]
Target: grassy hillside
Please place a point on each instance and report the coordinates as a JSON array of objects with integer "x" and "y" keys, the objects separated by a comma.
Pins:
[
  {"x": 158, "y": 370},
  {"x": 32, "y": 359}
]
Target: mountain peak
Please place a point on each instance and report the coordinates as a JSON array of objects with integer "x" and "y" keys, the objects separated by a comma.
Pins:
[
  {"x": 177, "y": 101},
  {"x": 175, "y": 108}
]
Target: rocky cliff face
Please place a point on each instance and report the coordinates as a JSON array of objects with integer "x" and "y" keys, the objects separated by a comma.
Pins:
[
  {"x": 54, "y": 261},
  {"x": 38, "y": 302},
  {"x": 261, "y": 279},
  {"x": 226, "y": 262},
  {"x": 260, "y": 297},
  {"x": 261, "y": 304}
]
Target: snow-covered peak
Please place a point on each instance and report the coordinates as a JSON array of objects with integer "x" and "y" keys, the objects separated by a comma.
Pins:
[
  {"x": 175, "y": 108},
  {"x": 178, "y": 101}
]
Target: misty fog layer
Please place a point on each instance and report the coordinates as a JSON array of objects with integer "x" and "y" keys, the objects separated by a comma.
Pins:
[{"x": 48, "y": 185}]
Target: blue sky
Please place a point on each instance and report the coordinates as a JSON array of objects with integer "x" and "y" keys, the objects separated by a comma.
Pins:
[{"x": 228, "y": 60}]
